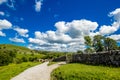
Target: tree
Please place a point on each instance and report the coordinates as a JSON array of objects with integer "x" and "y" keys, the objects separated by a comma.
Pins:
[
  {"x": 110, "y": 44},
  {"x": 89, "y": 50},
  {"x": 6, "y": 57},
  {"x": 89, "y": 44},
  {"x": 80, "y": 52},
  {"x": 118, "y": 47},
  {"x": 98, "y": 43},
  {"x": 88, "y": 41}
]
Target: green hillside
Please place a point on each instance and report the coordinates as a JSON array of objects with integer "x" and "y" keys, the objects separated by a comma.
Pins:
[
  {"x": 17, "y": 54},
  {"x": 14, "y": 47}
]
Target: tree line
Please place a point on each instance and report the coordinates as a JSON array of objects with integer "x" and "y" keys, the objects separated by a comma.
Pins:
[{"x": 100, "y": 43}]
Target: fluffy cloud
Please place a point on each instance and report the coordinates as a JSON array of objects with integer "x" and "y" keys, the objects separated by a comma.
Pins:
[
  {"x": 2, "y": 34},
  {"x": 22, "y": 32},
  {"x": 17, "y": 40},
  {"x": 106, "y": 30},
  {"x": 115, "y": 37},
  {"x": 116, "y": 14},
  {"x": 36, "y": 41},
  {"x": 3, "y": 1},
  {"x": 78, "y": 28},
  {"x": 38, "y": 4},
  {"x": 69, "y": 36},
  {"x": 5, "y": 24}
]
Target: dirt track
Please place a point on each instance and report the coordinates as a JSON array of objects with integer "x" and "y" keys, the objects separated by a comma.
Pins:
[{"x": 39, "y": 72}]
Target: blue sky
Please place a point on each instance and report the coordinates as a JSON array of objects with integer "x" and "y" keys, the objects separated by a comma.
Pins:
[{"x": 57, "y": 25}]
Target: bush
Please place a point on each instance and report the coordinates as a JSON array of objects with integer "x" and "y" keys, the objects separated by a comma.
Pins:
[
  {"x": 17, "y": 60},
  {"x": 24, "y": 59},
  {"x": 6, "y": 57},
  {"x": 32, "y": 59}
]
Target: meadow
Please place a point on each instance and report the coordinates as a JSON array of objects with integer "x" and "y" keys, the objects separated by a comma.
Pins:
[
  {"x": 11, "y": 70},
  {"x": 76, "y": 71}
]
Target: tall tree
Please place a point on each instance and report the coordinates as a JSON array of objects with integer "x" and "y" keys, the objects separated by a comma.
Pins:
[
  {"x": 88, "y": 42},
  {"x": 110, "y": 44},
  {"x": 98, "y": 43}
]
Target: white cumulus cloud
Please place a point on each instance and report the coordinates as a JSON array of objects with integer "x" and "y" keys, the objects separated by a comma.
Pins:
[
  {"x": 22, "y": 32},
  {"x": 38, "y": 4},
  {"x": 116, "y": 14},
  {"x": 69, "y": 36},
  {"x": 106, "y": 30},
  {"x": 115, "y": 37},
  {"x": 5, "y": 24},
  {"x": 36, "y": 41},
  {"x": 17, "y": 40}
]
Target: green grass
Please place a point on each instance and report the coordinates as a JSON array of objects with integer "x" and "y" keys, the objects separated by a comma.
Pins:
[
  {"x": 7, "y": 72},
  {"x": 51, "y": 63},
  {"x": 85, "y": 72},
  {"x": 12, "y": 47}
]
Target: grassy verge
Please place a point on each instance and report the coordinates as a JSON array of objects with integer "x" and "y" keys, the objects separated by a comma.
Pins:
[
  {"x": 51, "y": 63},
  {"x": 7, "y": 72},
  {"x": 85, "y": 72}
]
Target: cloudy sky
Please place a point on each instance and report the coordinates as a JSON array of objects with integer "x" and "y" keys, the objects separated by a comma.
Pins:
[{"x": 57, "y": 25}]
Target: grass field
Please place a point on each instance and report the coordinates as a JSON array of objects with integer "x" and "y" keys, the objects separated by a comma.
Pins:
[
  {"x": 85, "y": 72},
  {"x": 7, "y": 72}
]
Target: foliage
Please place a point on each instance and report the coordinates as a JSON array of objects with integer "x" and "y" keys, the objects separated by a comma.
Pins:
[
  {"x": 110, "y": 44},
  {"x": 89, "y": 50},
  {"x": 7, "y": 72},
  {"x": 6, "y": 57},
  {"x": 17, "y": 54},
  {"x": 99, "y": 43},
  {"x": 85, "y": 72},
  {"x": 88, "y": 41},
  {"x": 51, "y": 55},
  {"x": 80, "y": 52},
  {"x": 69, "y": 58}
]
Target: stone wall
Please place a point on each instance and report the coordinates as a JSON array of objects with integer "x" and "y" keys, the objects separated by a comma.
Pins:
[
  {"x": 100, "y": 58},
  {"x": 62, "y": 58},
  {"x": 104, "y": 58}
]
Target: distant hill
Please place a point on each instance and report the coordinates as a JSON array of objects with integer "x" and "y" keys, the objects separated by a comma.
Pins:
[
  {"x": 18, "y": 54},
  {"x": 23, "y": 51},
  {"x": 15, "y": 47}
]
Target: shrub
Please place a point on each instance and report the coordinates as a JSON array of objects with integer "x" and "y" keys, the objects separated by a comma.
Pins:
[{"x": 6, "y": 57}]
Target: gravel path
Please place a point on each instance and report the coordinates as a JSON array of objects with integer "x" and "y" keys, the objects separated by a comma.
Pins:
[{"x": 39, "y": 72}]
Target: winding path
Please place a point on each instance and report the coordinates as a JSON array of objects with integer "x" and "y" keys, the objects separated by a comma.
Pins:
[{"x": 39, "y": 72}]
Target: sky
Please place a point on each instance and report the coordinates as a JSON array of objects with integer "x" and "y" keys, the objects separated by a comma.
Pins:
[{"x": 57, "y": 25}]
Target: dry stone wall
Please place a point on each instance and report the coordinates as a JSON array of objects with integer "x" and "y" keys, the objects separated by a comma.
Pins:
[{"x": 104, "y": 58}]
